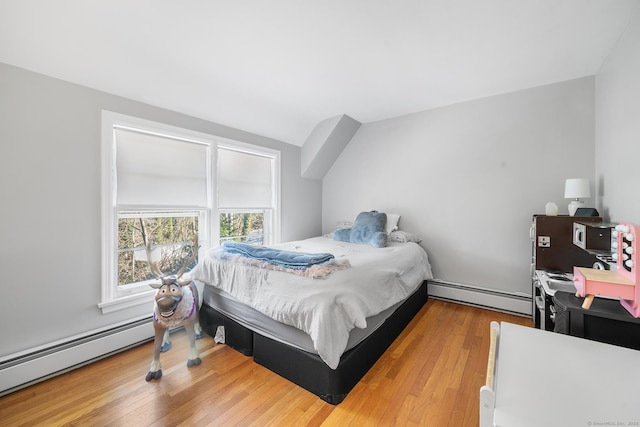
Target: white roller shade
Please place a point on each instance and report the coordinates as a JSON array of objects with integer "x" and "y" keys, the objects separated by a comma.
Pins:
[
  {"x": 245, "y": 180},
  {"x": 158, "y": 170}
]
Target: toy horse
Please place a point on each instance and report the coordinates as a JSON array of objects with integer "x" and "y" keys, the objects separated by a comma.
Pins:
[{"x": 175, "y": 304}]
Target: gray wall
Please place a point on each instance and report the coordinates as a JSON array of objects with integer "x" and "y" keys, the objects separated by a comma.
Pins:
[
  {"x": 618, "y": 128},
  {"x": 468, "y": 178},
  {"x": 50, "y": 194}
]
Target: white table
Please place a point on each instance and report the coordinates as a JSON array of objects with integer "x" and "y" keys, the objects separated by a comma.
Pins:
[{"x": 549, "y": 379}]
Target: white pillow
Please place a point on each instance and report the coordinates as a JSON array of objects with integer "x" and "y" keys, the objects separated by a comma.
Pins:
[
  {"x": 344, "y": 224},
  {"x": 404, "y": 237},
  {"x": 392, "y": 223},
  {"x": 339, "y": 225}
]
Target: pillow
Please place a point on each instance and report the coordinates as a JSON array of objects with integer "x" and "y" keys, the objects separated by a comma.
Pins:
[
  {"x": 340, "y": 225},
  {"x": 344, "y": 224},
  {"x": 342, "y": 234},
  {"x": 367, "y": 228},
  {"x": 392, "y": 223},
  {"x": 403, "y": 237}
]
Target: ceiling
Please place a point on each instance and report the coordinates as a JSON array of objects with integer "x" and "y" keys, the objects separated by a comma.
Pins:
[{"x": 277, "y": 68}]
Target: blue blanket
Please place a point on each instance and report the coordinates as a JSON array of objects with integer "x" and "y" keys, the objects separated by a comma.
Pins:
[{"x": 287, "y": 259}]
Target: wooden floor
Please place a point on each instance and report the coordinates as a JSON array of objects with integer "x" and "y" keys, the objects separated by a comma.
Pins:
[{"x": 430, "y": 376}]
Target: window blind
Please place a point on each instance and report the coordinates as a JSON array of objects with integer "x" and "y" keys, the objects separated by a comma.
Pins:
[
  {"x": 245, "y": 180},
  {"x": 158, "y": 170}
]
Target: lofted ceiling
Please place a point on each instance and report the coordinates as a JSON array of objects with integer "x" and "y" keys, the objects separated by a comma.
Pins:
[{"x": 277, "y": 68}]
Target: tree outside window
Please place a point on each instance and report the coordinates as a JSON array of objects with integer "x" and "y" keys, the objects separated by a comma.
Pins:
[
  {"x": 242, "y": 227},
  {"x": 149, "y": 244}
]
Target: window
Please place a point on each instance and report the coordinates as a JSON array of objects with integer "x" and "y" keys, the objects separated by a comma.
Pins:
[
  {"x": 153, "y": 243},
  {"x": 169, "y": 191},
  {"x": 246, "y": 196}
]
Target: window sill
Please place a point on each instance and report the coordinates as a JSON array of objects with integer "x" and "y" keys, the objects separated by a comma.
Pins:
[{"x": 128, "y": 301}]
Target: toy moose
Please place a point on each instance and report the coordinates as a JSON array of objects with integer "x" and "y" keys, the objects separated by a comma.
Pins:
[{"x": 175, "y": 304}]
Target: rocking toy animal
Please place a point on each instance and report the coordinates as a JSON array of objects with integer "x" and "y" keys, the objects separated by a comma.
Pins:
[{"x": 175, "y": 304}]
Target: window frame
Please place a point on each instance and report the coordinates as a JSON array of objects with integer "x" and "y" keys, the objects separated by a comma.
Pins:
[
  {"x": 209, "y": 216},
  {"x": 272, "y": 213}
]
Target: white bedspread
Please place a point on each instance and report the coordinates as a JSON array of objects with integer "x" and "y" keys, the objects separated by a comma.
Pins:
[{"x": 327, "y": 309}]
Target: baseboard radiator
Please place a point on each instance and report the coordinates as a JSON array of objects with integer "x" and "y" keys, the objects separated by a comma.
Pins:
[
  {"x": 508, "y": 302},
  {"x": 22, "y": 369}
]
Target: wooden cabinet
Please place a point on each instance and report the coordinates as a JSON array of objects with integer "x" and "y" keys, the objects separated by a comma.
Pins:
[
  {"x": 553, "y": 247},
  {"x": 553, "y": 250}
]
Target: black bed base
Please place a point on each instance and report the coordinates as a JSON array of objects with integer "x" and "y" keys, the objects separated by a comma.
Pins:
[
  {"x": 236, "y": 336},
  {"x": 307, "y": 369}
]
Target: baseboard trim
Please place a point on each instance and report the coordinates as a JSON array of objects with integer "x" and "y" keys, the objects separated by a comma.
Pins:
[
  {"x": 29, "y": 367},
  {"x": 507, "y": 302}
]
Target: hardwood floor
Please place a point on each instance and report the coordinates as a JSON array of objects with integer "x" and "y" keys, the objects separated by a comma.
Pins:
[{"x": 430, "y": 376}]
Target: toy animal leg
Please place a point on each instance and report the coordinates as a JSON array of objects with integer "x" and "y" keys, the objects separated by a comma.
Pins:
[
  {"x": 194, "y": 354},
  {"x": 155, "y": 369},
  {"x": 198, "y": 329},
  {"x": 166, "y": 341},
  {"x": 196, "y": 295}
]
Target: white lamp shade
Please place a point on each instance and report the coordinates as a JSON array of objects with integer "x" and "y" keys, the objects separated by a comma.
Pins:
[{"x": 576, "y": 188}]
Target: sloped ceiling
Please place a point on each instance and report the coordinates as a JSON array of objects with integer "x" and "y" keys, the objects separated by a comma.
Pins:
[{"x": 277, "y": 68}]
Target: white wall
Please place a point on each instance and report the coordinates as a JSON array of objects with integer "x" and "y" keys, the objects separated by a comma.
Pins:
[
  {"x": 618, "y": 128},
  {"x": 468, "y": 178},
  {"x": 50, "y": 195}
]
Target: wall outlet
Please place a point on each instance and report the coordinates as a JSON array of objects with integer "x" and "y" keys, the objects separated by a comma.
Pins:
[{"x": 544, "y": 241}]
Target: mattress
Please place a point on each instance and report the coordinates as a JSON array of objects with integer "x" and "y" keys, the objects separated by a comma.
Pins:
[
  {"x": 252, "y": 319},
  {"x": 327, "y": 310}
]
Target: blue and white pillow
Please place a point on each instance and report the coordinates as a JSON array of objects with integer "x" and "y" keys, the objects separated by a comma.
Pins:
[{"x": 369, "y": 228}]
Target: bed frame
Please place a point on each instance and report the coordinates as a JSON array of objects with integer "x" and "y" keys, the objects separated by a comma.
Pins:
[{"x": 307, "y": 369}]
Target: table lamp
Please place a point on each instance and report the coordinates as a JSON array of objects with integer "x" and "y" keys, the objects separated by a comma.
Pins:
[{"x": 576, "y": 188}]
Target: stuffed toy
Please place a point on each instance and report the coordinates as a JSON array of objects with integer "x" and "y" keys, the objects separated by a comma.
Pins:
[
  {"x": 175, "y": 304},
  {"x": 367, "y": 228}
]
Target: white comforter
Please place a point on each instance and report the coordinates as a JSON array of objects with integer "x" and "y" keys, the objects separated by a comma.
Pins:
[{"x": 326, "y": 309}]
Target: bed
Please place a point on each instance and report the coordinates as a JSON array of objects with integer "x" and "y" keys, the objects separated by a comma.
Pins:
[{"x": 323, "y": 329}]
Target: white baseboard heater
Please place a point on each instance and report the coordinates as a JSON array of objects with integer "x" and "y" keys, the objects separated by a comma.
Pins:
[
  {"x": 508, "y": 302},
  {"x": 22, "y": 369}
]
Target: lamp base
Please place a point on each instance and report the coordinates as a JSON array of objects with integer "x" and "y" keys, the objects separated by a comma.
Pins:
[{"x": 574, "y": 205}]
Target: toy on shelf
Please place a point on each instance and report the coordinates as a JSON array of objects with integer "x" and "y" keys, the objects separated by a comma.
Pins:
[{"x": 624, "y": 283}]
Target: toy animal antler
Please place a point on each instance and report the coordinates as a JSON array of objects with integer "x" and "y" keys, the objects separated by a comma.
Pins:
[
  {"x": 155, "y": 269},
  {"x": 154, "y": 265}
]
